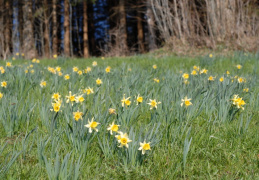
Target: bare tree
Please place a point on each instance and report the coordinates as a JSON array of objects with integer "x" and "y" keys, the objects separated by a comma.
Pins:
[
  {"x": 29, "y": 43},
  {"x": 123, "y": 28},
  {"x": 151, "y": 25},
  {"x": 46, "y": 29},
  {"x": 141, "y": 47},
  {"x": 55, "y": 28},
  {"x": 85, "y": 30},
  {"x": 66, "y": 28}
]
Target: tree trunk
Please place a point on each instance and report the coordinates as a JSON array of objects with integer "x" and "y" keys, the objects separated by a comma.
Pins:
[
  {"x": 54, "y": 33},
  {"x": 122, "y": 39},
  {"x": 141, "y": 46},
  {"x": 151, "y": 27},
  {"x": 8, "y": 26},
  {"x": 46, "y": 29},
  {"x": 85, "y": 31},
  {"x": 20, "y": 19},
  {"x": 29, "y": 44},
  {"x": 1, "y": 29},
  {"x": 66, "y": 28}
]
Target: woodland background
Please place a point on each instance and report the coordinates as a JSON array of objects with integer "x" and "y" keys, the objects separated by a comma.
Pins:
[{"x": 42, "y": 28}]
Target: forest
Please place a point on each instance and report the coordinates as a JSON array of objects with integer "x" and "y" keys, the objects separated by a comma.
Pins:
[{"x": 81, "y": 28}]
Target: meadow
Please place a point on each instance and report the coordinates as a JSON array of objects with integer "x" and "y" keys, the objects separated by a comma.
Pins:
[{"x": 139, "y": 117}]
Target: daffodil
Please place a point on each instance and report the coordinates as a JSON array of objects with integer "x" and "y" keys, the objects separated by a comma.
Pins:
[
  {"x": 75, "y": 69},
  {"x": 70, "y": 98},
  {"x": 123, "y": 139},
  {"x": 245, "y": 89},
  {"x": 239, "y": 66},
  {"x": 79, "y": 99},
  {"x": 153, "y": 103},
  {"x": 56, "y": 96},
  {"x": 1, "y": 95},
  {"x": 196, "y": 68},
  {"x": 77, "y": 115},
  {"x": 240, "y": 80},
  {"x": 94, "y": 64},
  {"x": 185, "y": 76},
  {"x": 55, "y": 56},
  {"x": 186, "y": 102},
  {"x": 43, "y": 83},
  {"x": 210, "y": 55},
  {"x": 125, "y": 101},
  {"x": 88, "y": 69},
  {"x": 186, "y": 81},
  {"x": 58, "y": 69},
  {"x": 204, "y": 71},
  {"x": 194, "y": 72},
  {"x": 113, "y": 128},
  {"x": 99, "y": 81},
  {"x": 88, "y": 91},
  {"x": 154, "y": 66},
  {"x": 144, "y": 147},
  {"x": 156, "y": 80},
  {"x": 211, "y": 78},
  {"x": 139, "y": 99},
  {"x": 221, "y": 79},
  {"x": 8, "y": 64},
  {"x": 112, "y": 111},
  {"x": 67, "y": 77},
  {"x": 79, "y": 72},
  {"x": 4, "y": 84},
  {"x": 92, "y": 125},
  {"x": 108, "y": 69}
]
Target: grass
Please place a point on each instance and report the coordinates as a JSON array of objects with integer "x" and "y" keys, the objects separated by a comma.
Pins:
[{"x": 211, "y": 139}]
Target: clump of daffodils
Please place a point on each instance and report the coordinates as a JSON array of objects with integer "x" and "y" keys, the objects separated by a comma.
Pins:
[
  {"x": 238, "y": 102},
  {"x": 156, "y": 80},
  {"x": 56, "y": 105}
]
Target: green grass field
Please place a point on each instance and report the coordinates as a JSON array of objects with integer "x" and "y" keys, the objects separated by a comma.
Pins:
[{"x": 210, "y": 135}]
